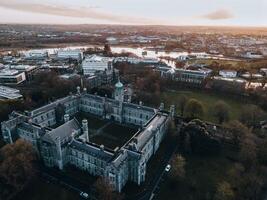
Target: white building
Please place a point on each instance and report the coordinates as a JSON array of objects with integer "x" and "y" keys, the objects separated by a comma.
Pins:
[
  {"x": 9, "y": 93},
  {"x": 75, "y": 54},
  {"x": 112, "y": 40},
  {"x": 8, "y": 76},
  {"x": 36, "y": 54},
  {"x": 253, "y": 55},
  {"x": 264, "y": 70},
  {"x": 96, "y": 63},
  {"x": 228, "y": 73}
]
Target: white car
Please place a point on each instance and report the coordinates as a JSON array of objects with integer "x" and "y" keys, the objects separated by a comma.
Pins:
[
  {"x": 167, "y": 168},
  {"x": 84, "y": 195}
]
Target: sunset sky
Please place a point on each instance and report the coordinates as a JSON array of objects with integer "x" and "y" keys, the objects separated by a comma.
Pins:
[{"x": 160, "y": 12}]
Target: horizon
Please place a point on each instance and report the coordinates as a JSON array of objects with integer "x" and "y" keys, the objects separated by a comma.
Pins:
[{"x": 129, "y": 12}]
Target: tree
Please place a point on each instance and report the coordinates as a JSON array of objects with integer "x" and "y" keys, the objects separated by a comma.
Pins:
[
  {"x": 107, "y": 50},
  {"x": 196, "y": 138},
  {"x": 224, "y": 192},
  {"x": 251, "y": 115},
  {"x": 105, "y": 191},
  {"x": 16, "y": 167},
  {"x": 178, "y": 166},
  {"x": 248, "y": 151},
  {"x": 194, "y": 109},
  {"x": 262, "y": 152},
  {"x": 237, "y": 131},
  {"x": 182, "y": 103},
  {"x": 221, "y": 111}
]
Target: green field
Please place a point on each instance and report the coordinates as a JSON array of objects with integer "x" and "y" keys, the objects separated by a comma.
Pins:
[{"x": 207, "y": 99}]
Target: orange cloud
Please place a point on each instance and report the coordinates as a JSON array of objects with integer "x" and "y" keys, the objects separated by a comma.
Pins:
[
  {"x": 219, "y": 15},
  {"x": 61, "y": 10}
]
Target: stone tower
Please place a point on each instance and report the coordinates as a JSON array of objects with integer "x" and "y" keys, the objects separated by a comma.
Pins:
[{"x": 119, "y": 91}]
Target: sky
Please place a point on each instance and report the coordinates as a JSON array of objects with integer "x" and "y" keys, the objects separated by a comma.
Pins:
[{"x": 136, "y": 12}]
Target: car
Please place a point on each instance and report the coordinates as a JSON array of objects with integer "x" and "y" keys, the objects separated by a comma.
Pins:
[
  {"x": 167, "y": 168},
  {"x": 84, "y": 195}
]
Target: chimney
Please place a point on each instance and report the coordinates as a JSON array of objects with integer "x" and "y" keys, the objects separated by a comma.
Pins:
[
  {"x": 161, "y": 107},
  {"x": 78, "y": 90}
]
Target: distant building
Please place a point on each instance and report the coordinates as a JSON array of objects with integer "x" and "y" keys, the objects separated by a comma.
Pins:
[
  {"x": 28, "y": 69},
  {"x": 112, "y": 40},
  {"x": 75, "y": 54},
  {"x": 8, "y": 76},
  {"x": 264, "y": 71},
  {"x": 9, "y": 93},
  {"x": 253, "y": 55},
  {"x": 228, "y": 73},
  {"x": 230, "y": 85},
  {"x": 36, "y": 54},
  {"x": 95, "y": 63},
  {"x": 191, "y": 76}
]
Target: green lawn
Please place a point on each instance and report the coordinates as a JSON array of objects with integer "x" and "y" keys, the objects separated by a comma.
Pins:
[
  {"x": 203, "y": 174},
  {"x": 93, "y": 121},
  {"x": 114, "y": 135},
  {"x": 207, "y": 99}
]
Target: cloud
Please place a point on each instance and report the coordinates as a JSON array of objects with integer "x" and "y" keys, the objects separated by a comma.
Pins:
[
  {"x": 218, "y": 15},
  {"x": 76, "y": 12}
]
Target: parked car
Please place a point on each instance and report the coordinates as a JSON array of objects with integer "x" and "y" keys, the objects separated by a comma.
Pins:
[
  {"x": 84, "y": 195},
  {"x": 167, "y": 168}
]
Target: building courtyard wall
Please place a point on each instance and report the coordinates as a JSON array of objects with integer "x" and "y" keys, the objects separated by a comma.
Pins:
[{"x": 66, "y": 144}]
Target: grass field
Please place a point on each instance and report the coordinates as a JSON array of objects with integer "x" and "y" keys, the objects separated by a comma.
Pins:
[
  {"x": 114, "y": 135},
  {"x": 250, "y": 65},
  {"x": 202, "y": 177},
  {"x": 207, "y": 99}
]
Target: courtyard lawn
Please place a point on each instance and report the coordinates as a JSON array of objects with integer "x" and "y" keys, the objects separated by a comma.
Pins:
[
  {"x": 114, "y": 135},
  {"x": 207, "y": 99},
  {"x": 93, "y": 121},
  {"x": 202, "y": 177}
]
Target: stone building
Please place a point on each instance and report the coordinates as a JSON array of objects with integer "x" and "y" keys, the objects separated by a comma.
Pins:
[{"x": 69, "y": 143}]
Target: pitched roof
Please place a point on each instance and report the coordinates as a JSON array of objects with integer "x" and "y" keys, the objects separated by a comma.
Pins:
[{"x": 63, "y": 132}]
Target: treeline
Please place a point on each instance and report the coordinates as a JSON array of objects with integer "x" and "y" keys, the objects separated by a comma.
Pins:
[
  {"x": 17, "y": 168},
  {"x": 46, "y": 87},
  {"x": 247, "y": 175}
]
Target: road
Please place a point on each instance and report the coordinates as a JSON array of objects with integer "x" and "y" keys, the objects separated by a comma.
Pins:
[
  {"x": 66, "y": 181},
  {"x": 151, "y": 190}
]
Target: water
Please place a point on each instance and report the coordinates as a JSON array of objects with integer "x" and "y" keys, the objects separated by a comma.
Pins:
[{"x": 150, "y": 53}]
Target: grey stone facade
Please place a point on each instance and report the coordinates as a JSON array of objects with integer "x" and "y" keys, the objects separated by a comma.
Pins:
[{"x": 69, "y": 143}]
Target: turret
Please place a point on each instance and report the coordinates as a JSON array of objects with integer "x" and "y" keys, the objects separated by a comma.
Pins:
[
  {"x": 85, "y": 129},
  {"x": 78, "y": 90},
  {"x": 172, "y": 110},
  {"x": 66, "y": 118},
  {"x": 161, "y": 107},
  {"x": 84, "y": 90},
  {"x": 119, "y": 91},
  {"x": 59, "y": 150}
]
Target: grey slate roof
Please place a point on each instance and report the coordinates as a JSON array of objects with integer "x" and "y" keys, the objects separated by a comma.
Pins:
[
  {"x": 144, "y": 136},
  {"x": 92, "y": 149},
  {"x": 63, "y": 132}
]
